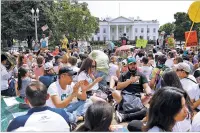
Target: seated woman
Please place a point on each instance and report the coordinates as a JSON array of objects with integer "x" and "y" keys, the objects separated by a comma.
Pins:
[
  {"x": 23, "y": 81},
  {"x": 167, "y": 106},
  {"x": 86, "y": 73},
  {"x": 98, "y": 118}
]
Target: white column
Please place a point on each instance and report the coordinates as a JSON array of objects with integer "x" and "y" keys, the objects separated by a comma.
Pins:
[
  {"x": 109, "y": 32},
  {"x": 117, "y": 38},
  {"x": 132, "y": 33},
  {"x": 124, "y": 28}
]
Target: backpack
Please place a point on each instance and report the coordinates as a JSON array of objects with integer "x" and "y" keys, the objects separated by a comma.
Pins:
[{"x": 11, "y": 87}]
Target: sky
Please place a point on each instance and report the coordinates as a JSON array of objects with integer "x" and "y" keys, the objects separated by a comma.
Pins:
[{"x": 163, "y": 11}]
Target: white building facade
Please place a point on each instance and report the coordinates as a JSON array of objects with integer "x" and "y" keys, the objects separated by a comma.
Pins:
[{"x": 115, "y": 28}]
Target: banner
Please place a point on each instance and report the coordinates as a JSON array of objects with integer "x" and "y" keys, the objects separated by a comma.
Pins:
[
  {"x": 192, "y": 40},
  {"x": 45, "y": 27},
  {"x": 141, "y": 43}
]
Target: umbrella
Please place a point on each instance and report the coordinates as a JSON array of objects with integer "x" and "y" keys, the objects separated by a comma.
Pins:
[{"x": 124, "y": 48}]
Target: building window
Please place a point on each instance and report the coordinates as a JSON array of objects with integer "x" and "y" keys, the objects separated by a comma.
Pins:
[
  {"x": 135, "y": 38},
  {"x": 135, "y": 30},
  {"x": 147, "y": 37},
  {"x": 104, "y": 30},
  {"x": 154, "y": 30},
  {"x": 104, "y": 38},
  {"x": 127, "y": 30},
  {"x": 113, "y": 37},
  {"x": 113, "y": 30},
  {"x": 98, "y": 38},
  {"x": 154, "y": 38},
  {"x": 148, "y": 30},
  {"x": 141, "y": 37},
  {"x": 142, "y": 30},
  {"x": 120, "y": 30}
]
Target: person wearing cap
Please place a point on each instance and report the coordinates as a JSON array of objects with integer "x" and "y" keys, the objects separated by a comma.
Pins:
[
  {"x": 65, "y": 94},
  {"x": 189, "y": 84},
  {"x": 131, "y": 83},
  {"x": 49, "y": 75}
]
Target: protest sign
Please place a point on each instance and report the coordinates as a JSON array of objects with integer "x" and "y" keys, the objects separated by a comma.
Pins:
[
  {"x": 192, "y": 39},
  {"x": 141, "y": 43}
]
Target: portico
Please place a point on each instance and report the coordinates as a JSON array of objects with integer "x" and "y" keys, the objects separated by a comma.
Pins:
[{"x": 113, "y": 29}]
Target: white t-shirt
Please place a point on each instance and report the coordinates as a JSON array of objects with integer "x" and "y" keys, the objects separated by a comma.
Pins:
[
  {"x": 55, "y": 89},
  {"x": 182, "y": 126},
  {"x": 190, "y": 87},
  {"x": 196, "y": 123},
  {"x": 84, "y": 76},
  {"x": 44, "y": 41},
  {"x": 169, "y": 62},
  {"x": 112, "y": 71},
  {"x": 146, "y": 70},
  {"x": 155, "y": 129},
  {"x": 5, "y": 75}
]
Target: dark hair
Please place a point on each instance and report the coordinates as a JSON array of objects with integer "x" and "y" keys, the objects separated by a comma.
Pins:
[
  {"x": 40, "y": 60},
  {"x": 72, "y": 60},
  {"x": 83, "y": 56},
  {"x": 20, "y": 60},
  {"x": 3, "y": 57},
  {"x": 145, "y": 60},
  {"x": 150, "y": 55},
  {"x": 164, "y": 106},
  {"x": 21, "y": 73},
  {"x": 162, "y": 59},
  {"x": 179, "y": 59},
  {"x": 36, "y": 93},
  {"x": 171, "y": 79},
  {"x": 87, "y": 63},
  {"x": 171, "y": 54},
  {"x": 98, "y": 117}
]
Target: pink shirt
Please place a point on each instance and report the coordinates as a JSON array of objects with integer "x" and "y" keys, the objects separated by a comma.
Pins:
[{"x": 39, "y": 71}]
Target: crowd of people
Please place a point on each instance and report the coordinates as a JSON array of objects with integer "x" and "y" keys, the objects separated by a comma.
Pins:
[{"x": 153, "y": 90}]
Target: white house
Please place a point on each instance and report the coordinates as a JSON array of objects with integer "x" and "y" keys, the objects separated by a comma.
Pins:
[{"x": 113, "y": 29}]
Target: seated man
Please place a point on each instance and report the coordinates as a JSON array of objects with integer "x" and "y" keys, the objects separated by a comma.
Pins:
[
  {"x": 63, "y": 94},
  {"x": 131, "y": 84},
  {"x": 40, "y": 117}
]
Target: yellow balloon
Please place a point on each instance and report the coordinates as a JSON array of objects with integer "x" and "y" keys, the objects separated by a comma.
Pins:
[{"x": 194, "y": 11}]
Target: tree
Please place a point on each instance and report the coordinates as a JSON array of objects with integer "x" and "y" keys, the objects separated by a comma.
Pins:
[
  {"x": 168, "y": 28},
  {"x": 183, "y": 24},
  {"x": 17, "y": 20},
  {"x": 76, "y": 20},
  {"x": 61, "y": 17}
]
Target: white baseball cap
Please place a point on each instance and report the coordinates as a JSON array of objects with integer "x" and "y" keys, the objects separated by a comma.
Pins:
[{"x": 48, "y": 66}]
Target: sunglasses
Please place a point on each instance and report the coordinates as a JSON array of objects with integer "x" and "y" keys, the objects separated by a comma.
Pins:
[
  {"x": 179, "y": 70},
  {"x": 93, "y": 66}
]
